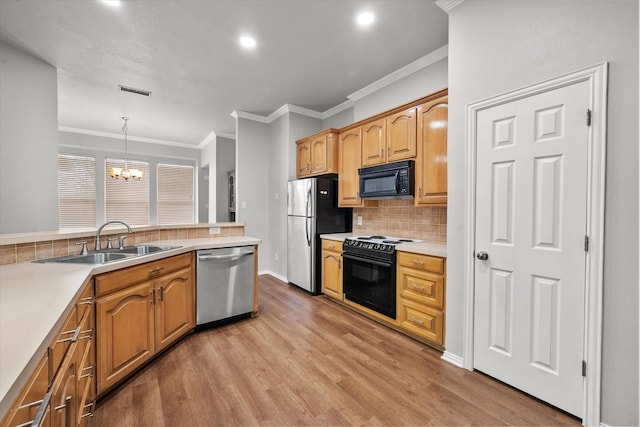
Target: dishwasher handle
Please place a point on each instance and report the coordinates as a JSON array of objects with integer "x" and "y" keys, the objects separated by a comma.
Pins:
[{"x": 227, "y": 257}]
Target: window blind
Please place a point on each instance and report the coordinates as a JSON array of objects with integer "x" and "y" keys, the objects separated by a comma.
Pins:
[
  {"x": 127, "y": 201},
  {"x": 176, "y": 201},
  {"x": 76, "y": 191}
]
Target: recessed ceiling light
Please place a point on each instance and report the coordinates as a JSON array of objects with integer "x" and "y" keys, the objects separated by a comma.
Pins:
[
  {"x": 114, "y": 3},
  {"x": 365, "y": 19},
  {"x": 247, "y": 41}
]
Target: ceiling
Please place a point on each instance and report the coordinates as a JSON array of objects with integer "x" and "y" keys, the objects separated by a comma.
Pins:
[{"x": 309, "y": 53}]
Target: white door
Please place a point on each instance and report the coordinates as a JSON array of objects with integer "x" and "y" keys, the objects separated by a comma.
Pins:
[{"x": 531, "y": 222}]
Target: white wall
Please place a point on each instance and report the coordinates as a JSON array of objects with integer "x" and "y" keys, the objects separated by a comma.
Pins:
[
  {"x": 252, "y": 175},
  {"x": 421, "y": 83},
  {"x": 278, "y": 177},
  {"x": 339, "y": 120},
  {"x": 500, "y": 45},
  {"x": 28, "y": 143},
  {"x": 225, "y": 162}
]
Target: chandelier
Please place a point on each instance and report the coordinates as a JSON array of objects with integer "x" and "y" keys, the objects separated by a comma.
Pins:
[{"x": 125, "y": 173}]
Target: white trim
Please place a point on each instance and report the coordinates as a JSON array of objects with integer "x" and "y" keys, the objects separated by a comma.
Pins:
[
  {"x": 447, "y": 5},
  {"x": 226, "y": 135},
  {"x": 597, "y": 78},
  {"x": 454, "y": 359},
  {"x": 399, "y": 74},
  {"x": 337, "y": 109},
  {"x": 249, "y": 116},
  {"x": 131, "y": 138},
  {"x": 271, "y": 273},
  {"x": 207, "y": 140}
]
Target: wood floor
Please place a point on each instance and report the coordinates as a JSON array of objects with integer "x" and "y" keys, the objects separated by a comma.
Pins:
[{"x": 309, "y": 361}]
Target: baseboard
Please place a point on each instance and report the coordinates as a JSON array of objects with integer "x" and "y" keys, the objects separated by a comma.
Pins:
[
  {"x": 276, "y": 275},
  {"x": 454, "y": 359}
]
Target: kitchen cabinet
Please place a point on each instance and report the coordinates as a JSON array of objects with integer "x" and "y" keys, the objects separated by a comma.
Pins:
[
  {"x": 374, "y": 143},
  {"x": 53, "y": 390},
  {"x": 421, "y": 296},
  {"x": 317, "y": 154},
  {"x": 140, "y": 311},
  {"x": 389, "y": 139},
  {"x": 350, "y": 161},
  {"x": 431, "y": 162},
  {"x": 332, "y": 269}
]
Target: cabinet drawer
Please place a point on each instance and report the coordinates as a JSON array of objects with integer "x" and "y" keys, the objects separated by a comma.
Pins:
[
  {"x": 109, "y": 282},
  {"x": 422, "y": 262},
  {"x": 422, "y": 320},
  {"x": 421, "y": 286},
  {"x": 331, "y": 245},
  {"x": 27, "y": 405},
  {"x": 58, "y": 349}
]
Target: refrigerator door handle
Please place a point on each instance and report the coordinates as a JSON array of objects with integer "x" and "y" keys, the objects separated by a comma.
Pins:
[
  {"x": 306, "y": 209},
  {"x": 306, "y": 229}
]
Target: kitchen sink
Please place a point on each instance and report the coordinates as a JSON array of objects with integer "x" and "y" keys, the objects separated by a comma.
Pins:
[
  {"x": 109, "y": 255},
  {"x": 143, "y": 249}
]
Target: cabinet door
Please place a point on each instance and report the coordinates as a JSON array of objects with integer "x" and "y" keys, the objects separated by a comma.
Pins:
[
  {"x": 27, "y": 405},
  {"x": 431, "y": 164},
  {"x": 401, "y": 135},
  {"x": 319, "y": 154},
  {"x": 332, "y": 274},
  {"x": 174, "y": 307},
  {"x": 64, "y": 394},
  {"x": 303, "y": 158},
  {"x": 374, "y": 144},
  {"x": 349, "y": 160},
  {"x": 125, "y": 332}
]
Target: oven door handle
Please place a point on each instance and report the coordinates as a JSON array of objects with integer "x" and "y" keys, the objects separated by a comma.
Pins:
[{"x": 370, "y": 261}]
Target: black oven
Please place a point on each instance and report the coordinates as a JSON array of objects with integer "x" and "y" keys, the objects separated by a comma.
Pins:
[{"x": 369, "y": 278}]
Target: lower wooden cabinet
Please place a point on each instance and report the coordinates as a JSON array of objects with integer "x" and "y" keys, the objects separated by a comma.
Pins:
[
  {"x": 60, "y": 392},
  {"x": 421, "y": 296},
  {"x": 332, "y": 269},
  {"x": 140, "y": 311}
]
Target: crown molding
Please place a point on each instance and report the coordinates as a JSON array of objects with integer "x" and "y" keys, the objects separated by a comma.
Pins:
[
  {"x": 417, "y": 65},
  {"x": 249, "y": 116},
  {"x": 226, "y": 135},
  {"x": 131, "y": 138},
  {"x": 337, "y": 109},
  {"x": 447, "y": 5}
]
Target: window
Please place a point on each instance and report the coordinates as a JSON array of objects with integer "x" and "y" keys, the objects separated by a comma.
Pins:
[
  {"x": 76, "y": 191},
  {"x": 127, "y": 201},
  {"x": 176, "y": 203}
]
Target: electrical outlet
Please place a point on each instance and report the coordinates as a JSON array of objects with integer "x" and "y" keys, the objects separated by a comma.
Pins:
[
  {"x": 359, "y": 220},
  {"x": 214, "y": 230},
  {"x": 244, "y": 205},
  {"x": 276, "y": 256}
]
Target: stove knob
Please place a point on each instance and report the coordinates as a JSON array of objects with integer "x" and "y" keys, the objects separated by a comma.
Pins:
[{"x": 377, "y": 246}]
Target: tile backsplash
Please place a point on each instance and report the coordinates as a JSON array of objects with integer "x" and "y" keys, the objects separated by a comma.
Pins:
[{"x": 400, "y": 218}]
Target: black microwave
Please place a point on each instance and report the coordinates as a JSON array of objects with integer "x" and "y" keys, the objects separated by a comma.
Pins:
[{"x": 388, "y": 181}]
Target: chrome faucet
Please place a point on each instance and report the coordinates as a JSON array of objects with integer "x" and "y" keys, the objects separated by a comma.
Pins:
[{"x": 129, "y": 230}]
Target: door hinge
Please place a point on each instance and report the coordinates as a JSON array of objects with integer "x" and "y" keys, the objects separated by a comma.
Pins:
[
  {"x": 589, "y": 117},
  {"x": 584, "y": 368},
  {"x": 586, "y": 243}
]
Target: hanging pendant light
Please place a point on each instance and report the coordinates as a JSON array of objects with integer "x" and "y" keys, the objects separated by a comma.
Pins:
[{"x": 125, "y": 173}]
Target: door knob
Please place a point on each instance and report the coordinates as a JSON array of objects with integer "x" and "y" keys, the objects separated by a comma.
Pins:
[{"x": 482, "y": 256}]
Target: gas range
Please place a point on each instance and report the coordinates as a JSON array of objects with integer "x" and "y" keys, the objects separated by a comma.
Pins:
[{"x": 374, "y": 246}]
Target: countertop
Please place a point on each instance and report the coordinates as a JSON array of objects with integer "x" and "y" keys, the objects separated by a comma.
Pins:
[
  {"x": 36, "y": 298},
  {"x": 423, "y": 248}
]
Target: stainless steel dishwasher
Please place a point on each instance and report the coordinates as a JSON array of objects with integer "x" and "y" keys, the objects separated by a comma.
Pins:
[{"x": 224, "y": 285}]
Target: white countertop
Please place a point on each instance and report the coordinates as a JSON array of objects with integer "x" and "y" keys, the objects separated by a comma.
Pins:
[
  {"x": 423, "y": 248},
  {"x": 35, "y": 299}
]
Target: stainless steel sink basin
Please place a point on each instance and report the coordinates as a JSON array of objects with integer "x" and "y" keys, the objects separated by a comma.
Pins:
[
  {"x": 109, "y": 255},
  {"x": 95, "y": 258},
  {"x": 143, "y": 249}
]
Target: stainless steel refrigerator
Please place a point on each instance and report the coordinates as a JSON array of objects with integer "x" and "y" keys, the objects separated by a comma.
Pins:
[{"x": 312, "y": 209}]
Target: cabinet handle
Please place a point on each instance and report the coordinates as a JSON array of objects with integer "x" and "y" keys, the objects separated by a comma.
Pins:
[
  {"x": 416, "y": 320},
  {"x": 388, "y": 151},
  {"x": 86, "y": 301},
  {"x": 42, "y": 410},
  {"x": 74, "y": 338},
  {"x": 90, "y": 374},
  {"x": 417, "y": 262},
  {"x": 162, "y": 294},
  {"x": 416, "y": 287},
  {"x": 153, "y": 296},
  {"x": 88, "y": 336},
  {"x": 90, "y": 413},
  {"x": 419, "y": 191},
  {"x": 381, "y": 152},
  {"x": 339, "y": 262}
]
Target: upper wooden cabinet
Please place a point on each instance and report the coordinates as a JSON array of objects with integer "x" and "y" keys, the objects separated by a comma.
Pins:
[
  {"x": 317, "y": 154},
  {"x": 401, "y": 135},
  {"x": 349, "y": 161},
  {"x": 431, "y": 163},
  {"x": 374, "y": 143},
  {"x": 389, "y": 139}
]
